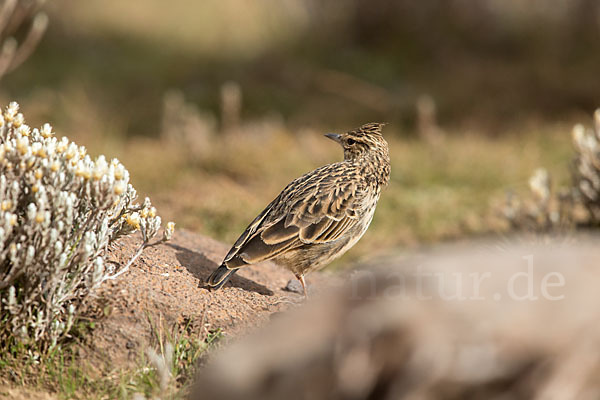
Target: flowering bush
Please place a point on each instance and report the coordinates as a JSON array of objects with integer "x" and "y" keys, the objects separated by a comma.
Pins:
[{"x": 59, "y": 212}]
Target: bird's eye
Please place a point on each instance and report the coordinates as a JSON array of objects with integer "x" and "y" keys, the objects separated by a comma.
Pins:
[{"x": 351, "y": 142}]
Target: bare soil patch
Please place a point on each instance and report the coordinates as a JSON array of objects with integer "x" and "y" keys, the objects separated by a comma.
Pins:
[
  {"x": 24, "y": 394},
  {"x": 164, "y": 287}
]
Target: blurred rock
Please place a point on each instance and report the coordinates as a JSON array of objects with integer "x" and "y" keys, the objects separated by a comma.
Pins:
[
  {"x": 496, "y": 320},
  {"x": 293, "y": 286}
]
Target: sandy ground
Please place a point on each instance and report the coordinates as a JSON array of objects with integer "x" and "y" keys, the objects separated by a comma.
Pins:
[
  {"x": 164, "y": 287},
  {"x": 24, "y": 394}
]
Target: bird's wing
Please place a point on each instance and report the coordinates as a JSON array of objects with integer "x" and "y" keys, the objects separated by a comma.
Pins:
[{"x": 318, "y": 207}]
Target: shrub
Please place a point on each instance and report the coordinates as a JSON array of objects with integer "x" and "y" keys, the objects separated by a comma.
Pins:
[
  {"x": 586, "y": 174},
  {"x": 59, "y": 213},
  {"x": 579, "y": 204},
  {"x": 548, "y": 209}
]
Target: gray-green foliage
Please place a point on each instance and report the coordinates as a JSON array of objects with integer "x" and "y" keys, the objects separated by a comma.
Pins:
[
  {"x": 555, "y": 209},
  {"x": 59, "y": 212},
  {"x": 586, "y": 176}
]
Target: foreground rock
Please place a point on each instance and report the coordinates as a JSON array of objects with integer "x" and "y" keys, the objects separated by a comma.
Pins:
[{"x": 517, "y": 322}]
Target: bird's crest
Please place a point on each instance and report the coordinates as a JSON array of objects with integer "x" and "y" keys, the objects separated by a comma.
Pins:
[{"x": 370, "y": 128}]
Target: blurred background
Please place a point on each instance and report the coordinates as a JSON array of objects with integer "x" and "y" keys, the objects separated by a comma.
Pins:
[{"x": 215, "y": 105}]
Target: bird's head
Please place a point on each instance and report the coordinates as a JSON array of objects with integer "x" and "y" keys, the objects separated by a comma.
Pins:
[{"x": 361, "y": 142}]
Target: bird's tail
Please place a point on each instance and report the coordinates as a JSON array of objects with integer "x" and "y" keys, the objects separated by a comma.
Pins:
[{"x": 219, "y": 277}]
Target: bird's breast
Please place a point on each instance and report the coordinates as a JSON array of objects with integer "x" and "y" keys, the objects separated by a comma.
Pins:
[{"x": 362, "y": 226}]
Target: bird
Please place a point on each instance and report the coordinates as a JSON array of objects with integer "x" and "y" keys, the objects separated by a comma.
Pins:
[{"x": 318, "y": 216}]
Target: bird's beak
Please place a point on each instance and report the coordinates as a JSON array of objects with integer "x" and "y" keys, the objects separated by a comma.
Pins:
[{"x": 336, "y": 137}]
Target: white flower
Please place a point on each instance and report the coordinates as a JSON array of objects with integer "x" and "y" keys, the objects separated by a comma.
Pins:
[
  {"x": 100, "y": 168},
  {"x": 11, "y": 111},
  {"x": 62, "y": 145},
  {"x": 119, "y": 188},
  {"x": 31, "y": 211},
  {"x": 169, "y": 230},
  {"x": 18, "y": 120},
  {"x": 119, "y": 172},
  {"x": 71, "y": 151},
  {"x": 24, "y": 130},
  {"x": 23, "y": 145},
  {"x": 46, "y": 130},
  {"x": 133, "y": 220},
  {"x": 82, "y": 170}
]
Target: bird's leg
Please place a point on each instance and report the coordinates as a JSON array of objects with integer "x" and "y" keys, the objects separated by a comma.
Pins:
[{"x": 300, "y": 277}]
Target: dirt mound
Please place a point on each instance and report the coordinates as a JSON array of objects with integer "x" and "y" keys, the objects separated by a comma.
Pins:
[{"x": 165, "y": 286}]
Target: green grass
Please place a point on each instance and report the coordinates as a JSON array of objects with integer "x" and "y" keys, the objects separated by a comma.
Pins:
[{"x": 62, "y": 371}]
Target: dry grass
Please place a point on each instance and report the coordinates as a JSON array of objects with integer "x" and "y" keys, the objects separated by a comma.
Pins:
[
  {"x": 435, "y": 193},
  {"x": 441, "y": 192}
]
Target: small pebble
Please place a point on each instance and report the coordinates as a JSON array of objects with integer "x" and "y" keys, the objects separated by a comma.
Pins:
[{"x": 294, "y": 286}]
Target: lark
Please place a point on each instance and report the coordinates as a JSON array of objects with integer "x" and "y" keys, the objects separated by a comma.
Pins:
[{"x": 318, "y": 216}]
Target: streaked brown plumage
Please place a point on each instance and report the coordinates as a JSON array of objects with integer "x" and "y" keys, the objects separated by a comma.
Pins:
[{"x": 318, "y": 216}]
